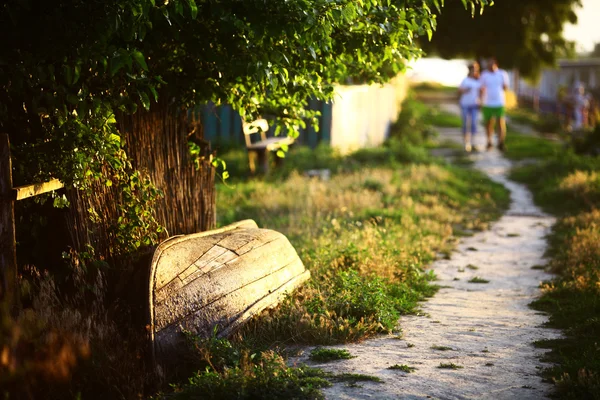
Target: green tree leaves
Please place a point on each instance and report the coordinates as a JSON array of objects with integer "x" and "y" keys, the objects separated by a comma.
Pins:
[
  {"x": 524, "y": 34},
  {"x": 74, "y": 62}
]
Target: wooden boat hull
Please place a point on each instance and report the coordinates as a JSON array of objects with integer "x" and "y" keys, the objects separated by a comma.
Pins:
[{"x": 217, "y": 280}]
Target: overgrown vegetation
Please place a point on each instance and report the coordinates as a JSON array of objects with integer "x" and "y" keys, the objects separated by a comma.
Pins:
[
  {"x": 441, "y": 348},
  {"x": 568, "y": 185},
  {"x": 321, "y": 354},
  {"x": 477, "y": 279},
  {"x": 82, "y": 81},
  {"x": 520, "y": 146},
  {"x": 450, "y": 366},
  {"x": 542, "y": 123},
  {"x": 402, "y": 367},
  {"x": 366, "y": 235},
  {"x": 229, "y": 370}
]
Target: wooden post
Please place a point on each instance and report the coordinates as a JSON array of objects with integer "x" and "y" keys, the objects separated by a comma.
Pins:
[{"x": 8, "y": 254}]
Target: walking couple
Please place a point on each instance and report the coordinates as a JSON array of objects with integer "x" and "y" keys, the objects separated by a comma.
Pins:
[{"x": 485, "y": 90}]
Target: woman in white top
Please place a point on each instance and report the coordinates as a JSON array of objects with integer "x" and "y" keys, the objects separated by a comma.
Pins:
[{"x": 469, "y": 103}]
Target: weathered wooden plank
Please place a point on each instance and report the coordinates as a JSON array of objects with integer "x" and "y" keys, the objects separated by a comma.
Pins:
[
  {"x": 187, "y": 254},
  {"x": 229, "y": 313},
  {"x": 220, "y": 281},
  {"x": 221, "y": 288},
  {"x": 188, "y": 251},
  {"x": 213, "y": 258},
  {"x": 262, "y": 238},
  {"x": 23, "y": 192},
  {"x": 8, "y": 253},
  {"x": 272, "y": 299}
]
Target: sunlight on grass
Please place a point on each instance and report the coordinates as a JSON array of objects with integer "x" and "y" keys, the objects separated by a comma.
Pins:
[{"x": 568, "y": 185}]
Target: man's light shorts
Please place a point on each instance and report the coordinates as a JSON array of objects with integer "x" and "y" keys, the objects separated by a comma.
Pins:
[{"x": 492, "y": 112}]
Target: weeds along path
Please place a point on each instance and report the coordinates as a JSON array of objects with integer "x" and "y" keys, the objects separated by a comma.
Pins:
[{"x": 479, "y": 326}]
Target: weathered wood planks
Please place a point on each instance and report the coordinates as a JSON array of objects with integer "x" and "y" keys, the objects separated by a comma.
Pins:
[{"x": 219, "y": 279}]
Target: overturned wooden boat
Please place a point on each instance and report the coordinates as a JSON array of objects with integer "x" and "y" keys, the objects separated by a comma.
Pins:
[{"x": 217, "y": 280}]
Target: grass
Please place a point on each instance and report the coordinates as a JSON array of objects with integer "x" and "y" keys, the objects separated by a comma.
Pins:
[
  {"x": 472, "y": 267},
  {"x": 321, "y": 354},
  {"x": 541, "y": 123},
  {"x": 568, "y": 185},
  {"x": 353, "y": 378},
  {"x": 366, "y": 235},
  {"x": 434, "y": 87},
  {"x": 365, "y": 244},
  {"x": 441, "y": 348},
  {"x": 521, "y": 146},
  {"x": 444, "y": 119},
  {"x": 232, "y": 371},
  {"x": 477, "y": 279},
  {"x": 450, "y": 366},
  {"x": 402, "y": 367}
]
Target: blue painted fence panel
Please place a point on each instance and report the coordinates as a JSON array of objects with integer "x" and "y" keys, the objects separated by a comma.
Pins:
[{"x": 223, "y": 125}]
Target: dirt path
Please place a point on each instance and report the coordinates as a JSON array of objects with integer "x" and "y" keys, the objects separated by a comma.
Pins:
[{"x": 488, "y": 326}]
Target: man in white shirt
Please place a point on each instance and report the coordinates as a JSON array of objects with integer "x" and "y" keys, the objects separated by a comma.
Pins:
[{"x": 494, "y": 83}]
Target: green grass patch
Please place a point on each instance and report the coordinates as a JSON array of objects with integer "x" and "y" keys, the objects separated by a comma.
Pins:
[
  {"x": 450, "y": 366},
  {"x": 444, "y": 119},
  {"x": 354, "y": 378},
  {"x": 472, "y": 267},
  {"x": 542, "y": 123},
  {"x": 402, "y": 367},
  {"x": 568, "y": 185},
  {"x": 441, "y": 348},
  {"x": 231, "y": 370},
  {"x": 520, "y": 146},
  {"x": 321, "y": 354},
  {"x": 367, "y": 236},
  {"x": 477, "y": 279},
  {"x": 434, "y": 87}
]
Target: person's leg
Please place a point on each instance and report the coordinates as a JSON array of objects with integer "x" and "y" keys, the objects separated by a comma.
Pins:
[
  {"x": 474, "y": 119},
  {"x": 578, "y": 118},
  {"x": 489, "y": 124},
  {"x": 502, "y": 128},
  {"x": 465, "y": 121},
  {"x": 464, "y": 118},
  {"x": 490, "y": 128}
]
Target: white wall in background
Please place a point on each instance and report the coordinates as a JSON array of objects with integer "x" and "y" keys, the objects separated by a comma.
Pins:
[{"x": 362, "y": 114}]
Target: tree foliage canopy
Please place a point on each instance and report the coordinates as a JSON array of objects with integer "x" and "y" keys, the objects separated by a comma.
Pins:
[
  {"x": 71, "y": 67},
  {"x": 524, "y": 34},
  {"x": 70, "y": 64}
]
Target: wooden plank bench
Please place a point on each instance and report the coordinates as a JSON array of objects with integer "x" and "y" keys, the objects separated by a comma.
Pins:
[{"x": 260, "y": 150}]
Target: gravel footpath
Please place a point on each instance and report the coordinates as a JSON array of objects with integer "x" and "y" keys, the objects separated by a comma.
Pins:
[{"x": 488, "y": 327}]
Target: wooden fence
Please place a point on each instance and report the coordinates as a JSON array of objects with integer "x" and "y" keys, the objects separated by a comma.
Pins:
[{"x": 8, "y": 196}]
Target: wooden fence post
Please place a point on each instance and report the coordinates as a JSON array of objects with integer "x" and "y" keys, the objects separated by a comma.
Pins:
[{"x": 8, "y": 254}]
